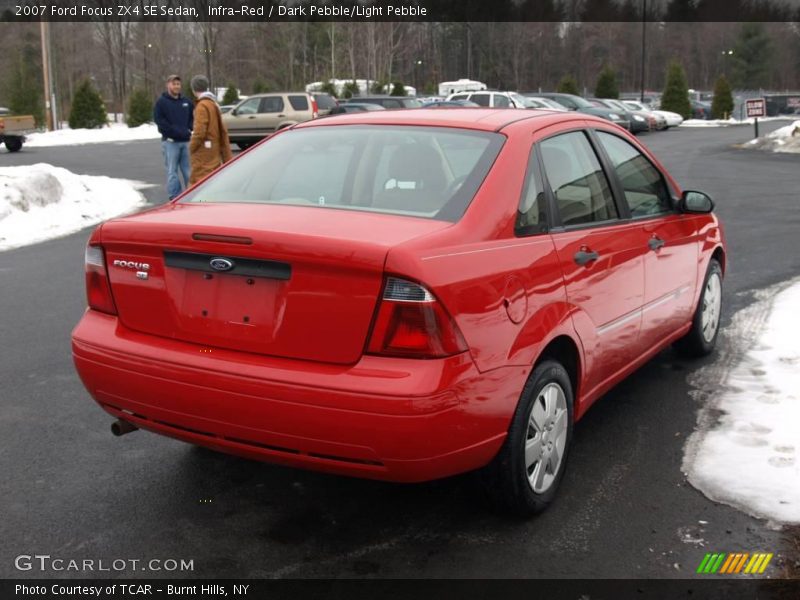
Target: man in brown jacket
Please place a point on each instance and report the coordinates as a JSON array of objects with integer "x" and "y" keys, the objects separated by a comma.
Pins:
[{"x": 209, "y": 146}]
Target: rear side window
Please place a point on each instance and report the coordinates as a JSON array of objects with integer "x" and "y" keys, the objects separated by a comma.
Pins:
[
  {"x": 271, "y": 104},
  {"x": 299, "y": 102},
  {"x": 430, "y": 172},
  {"x": 645, "y": 190},
  {"x": 580, "y": 186},
  {"x": 531, "y": 216},
  {"x": 481, "y": 99},
  {"x": 460, "y": 97}
]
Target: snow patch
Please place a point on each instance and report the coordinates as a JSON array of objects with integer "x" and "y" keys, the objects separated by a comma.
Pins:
[
  {"x": 786, "y": 139},
  {"x": 41, "y": 202},
  {"x": 728, "y": 122},
  {"x": 114, "y": 132},
  {"x": 745, "y": 450}
]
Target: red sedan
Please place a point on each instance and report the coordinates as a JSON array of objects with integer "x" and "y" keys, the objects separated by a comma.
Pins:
[{"x": 402, "y": 295}]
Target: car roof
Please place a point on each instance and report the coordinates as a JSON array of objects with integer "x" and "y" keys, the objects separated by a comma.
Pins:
[{"x": 481, "y": 119}]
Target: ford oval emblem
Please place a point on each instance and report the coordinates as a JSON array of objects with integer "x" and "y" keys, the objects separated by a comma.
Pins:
[{"x": 221, "y": 264}]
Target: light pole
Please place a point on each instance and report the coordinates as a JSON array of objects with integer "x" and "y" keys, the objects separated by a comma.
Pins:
[
  {"x": 725, "y": 55},
  {"x": 417, "y": 66}
]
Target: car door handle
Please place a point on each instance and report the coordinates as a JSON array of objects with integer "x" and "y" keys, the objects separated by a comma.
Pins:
[
  {"x": 251, "y": 117},
  {"x": 583, "y": 257},
  {"x": 655, "y": 243},
  {"x": 281, "y": 116}
]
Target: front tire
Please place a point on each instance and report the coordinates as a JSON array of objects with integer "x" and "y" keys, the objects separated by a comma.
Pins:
[
  {"x": 524, "y": 476},
  {"x": 702, "y": 337}
]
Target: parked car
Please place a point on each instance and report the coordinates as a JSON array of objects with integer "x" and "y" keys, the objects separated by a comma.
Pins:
[
  {"x": 325, "y": 103},
  {"x": 665, "y": 119},
  {"x": 388, "y": 102},
  {"x": 700, "y": 110},
  {"x": 532, "y": 101},
  {"x": 451, "y": 104},
  {"x": 262, "y": 115},
  {"x": 354, "y": 107},
  {"x": 572, "y": 102},
  {"x": 367, "y": 295},
  {"x": 640, "y": 123},
  {"x": 491, "y": 99}
]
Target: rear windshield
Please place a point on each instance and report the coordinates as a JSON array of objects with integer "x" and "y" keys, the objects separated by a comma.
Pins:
[
  {"x": 430, "y": 172},
  {"x": 324, "y": 101}
]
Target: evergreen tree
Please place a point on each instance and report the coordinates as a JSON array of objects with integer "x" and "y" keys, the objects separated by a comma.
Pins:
[
  {"x": 751, "y": 56},
  {"x": 259, "y": 87},
  {"x": 398, "y": 89},
  {"x": 722, "y": 105},
  {"x": 568, "y": 85},
  {"x": 607, "y": 84},
  {"x": 328, "y": 88},
  {"x": 676, "y": 91},
  {"x": 88, "y": 110},
  {"x": 231, "y": 95},
  {"x": 24, "y": 93},
  {"x": 350, "y": 89},
  {"x": 379, "y": 87},
  {"x": 140, "y": 108}
]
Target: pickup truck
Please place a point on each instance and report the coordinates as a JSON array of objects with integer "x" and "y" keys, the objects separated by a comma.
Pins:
[{"x": 13, "y": 129}]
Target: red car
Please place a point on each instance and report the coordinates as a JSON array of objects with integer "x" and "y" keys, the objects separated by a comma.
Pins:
[{"x": 402, "y": 295}]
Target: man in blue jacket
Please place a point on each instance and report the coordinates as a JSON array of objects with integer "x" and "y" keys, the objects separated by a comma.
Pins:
[{"x": 174, "y": 115}]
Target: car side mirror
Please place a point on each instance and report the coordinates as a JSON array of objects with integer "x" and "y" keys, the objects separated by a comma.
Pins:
[
  {"x": 234, "y": 111},
  {"x": 696, "y": 202}
]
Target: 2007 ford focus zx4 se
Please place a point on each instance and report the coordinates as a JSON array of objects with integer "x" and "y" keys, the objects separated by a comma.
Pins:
[{"x": 403, "y": 295}]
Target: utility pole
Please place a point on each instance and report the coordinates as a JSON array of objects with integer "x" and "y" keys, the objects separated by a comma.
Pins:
[
  {"x": 644, "y": 44},
  {"x": 44, "y": 28}
]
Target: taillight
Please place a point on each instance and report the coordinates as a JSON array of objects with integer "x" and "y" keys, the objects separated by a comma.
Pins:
[
  {"x": 314, "y": 108},
  {"x": 412, "y": 323},
  {"x": 98, "y": 288}
]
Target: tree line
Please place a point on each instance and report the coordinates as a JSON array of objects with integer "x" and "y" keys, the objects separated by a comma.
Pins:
[{"x": 121, "y": 59}]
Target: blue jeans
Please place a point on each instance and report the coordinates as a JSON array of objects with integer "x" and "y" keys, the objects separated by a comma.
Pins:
[{"x": 176, "y": 156}]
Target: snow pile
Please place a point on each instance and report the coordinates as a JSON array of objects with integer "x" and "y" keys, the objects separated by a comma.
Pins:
[
  {"x": 745, "y": 451},
  {"x": 40, "y": 202},
  {"x": 785, "y": 139},
  {"x": 728, "y": 122},
  {"x": 115, "y": 132}
]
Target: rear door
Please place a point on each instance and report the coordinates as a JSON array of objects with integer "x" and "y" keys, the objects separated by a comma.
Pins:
[
  {"x": 670, "y": 261},
  {"x": 271, "y": 113},
  {"x": 601, "y": 255},
  {"x": 299, "y": 109}
]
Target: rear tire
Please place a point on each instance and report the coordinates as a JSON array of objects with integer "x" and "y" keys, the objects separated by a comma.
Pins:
[
  {"x": 702, "y": 337},
  {"x": 13, "y": 144},
  {"x": 524, "y": 477}
]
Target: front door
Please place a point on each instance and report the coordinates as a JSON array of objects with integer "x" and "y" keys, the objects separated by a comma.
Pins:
[{"x": 670, "y": 262}]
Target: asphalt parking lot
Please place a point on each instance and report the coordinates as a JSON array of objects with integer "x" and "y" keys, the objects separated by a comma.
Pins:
[{"x": 72, "y": 490}]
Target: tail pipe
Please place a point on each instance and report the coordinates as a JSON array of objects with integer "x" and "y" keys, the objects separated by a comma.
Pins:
[{"x": 120, "y": 427}]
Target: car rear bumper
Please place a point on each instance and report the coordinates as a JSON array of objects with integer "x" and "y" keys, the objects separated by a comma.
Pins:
[{"x": 382, "y": 418}]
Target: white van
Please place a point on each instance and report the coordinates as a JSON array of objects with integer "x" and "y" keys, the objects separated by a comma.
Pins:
[{"x": 462, "y": 85}]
